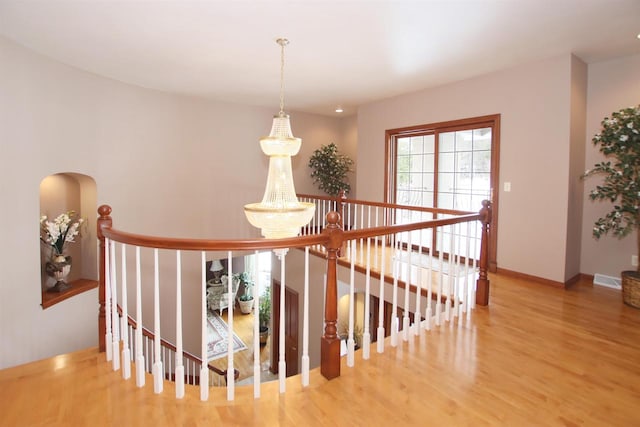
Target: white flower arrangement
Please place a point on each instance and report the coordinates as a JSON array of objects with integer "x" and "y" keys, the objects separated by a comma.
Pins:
[{"x": 62, "y": 230}]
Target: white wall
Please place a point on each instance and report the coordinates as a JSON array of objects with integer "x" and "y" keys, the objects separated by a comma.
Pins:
[
  {"x": 163, "y": 162},
  {"x": 612, "y": 85},
  {"x": 534, "y": 103}
]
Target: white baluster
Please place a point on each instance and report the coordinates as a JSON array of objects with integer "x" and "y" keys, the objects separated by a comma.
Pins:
[
  {"x": 126, "y": 352},
  {"x": 167, "y": 359},
  {"x": 417, "y": 315},
  {"x": 407, "y": 290},
  {"x": 361, "y": 240},
  {"x": 204, "y": 370},
  {"x": 305, "y": 321},
  {"x": 231, "y": 385},
  {"x": 474, "y": 282},
  {"x": 140, "y": 362},
  {"x": 108, "y": 338},
  {"x": 457, "y": 273},
  {"x": 366, "y": 334},
  {"x": 147, "y": 358},
  {"x": 450, "y": 276},
  {"x": 394, "y": 310},
  {"x": 380, "y": 333},
  {"x": 115, "y": 320},
  {"x": 256, "y": 329},
  {"x": 282, "y": 365},
  {"x": 158, "y": 373},
  {"x": 350, "y": 341},
  {"x": 375, "y": 248},
  {"x": 179, "y": 374},
  {"x": 465, "y": 292},
  {"x": 440, "y": 276},
  {"x": 429, "y": 311}
]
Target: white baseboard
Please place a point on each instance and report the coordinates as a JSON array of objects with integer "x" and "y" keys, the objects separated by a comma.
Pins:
[{"x": 607, "y": 281}]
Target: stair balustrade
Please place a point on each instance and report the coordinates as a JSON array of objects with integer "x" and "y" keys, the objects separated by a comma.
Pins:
[{"x": 430, "y": 266}]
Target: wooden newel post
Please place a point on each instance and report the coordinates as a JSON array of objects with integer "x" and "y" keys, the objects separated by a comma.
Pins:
[
  {"x": 104, "y": 220},
  {"x": 482, "y": 292},
  {"x": 330, "y": 343}
]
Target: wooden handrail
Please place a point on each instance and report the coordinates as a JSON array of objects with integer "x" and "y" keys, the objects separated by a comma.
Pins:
[{"x": 210, "y": 245}]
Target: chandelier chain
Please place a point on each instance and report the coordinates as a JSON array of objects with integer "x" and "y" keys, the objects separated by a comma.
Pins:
[{"x": 282, "y": 43}]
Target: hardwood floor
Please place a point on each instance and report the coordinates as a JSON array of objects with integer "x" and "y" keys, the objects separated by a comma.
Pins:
[{"x": 536, "y": 356}]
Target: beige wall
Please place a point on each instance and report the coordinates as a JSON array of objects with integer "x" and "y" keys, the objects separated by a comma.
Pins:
[
  {"x": 578, "y": 87},
  {"x": 163, "y": 162},
  {"x": 612, "y": 85},
  {"x": 534, "y": 103}
]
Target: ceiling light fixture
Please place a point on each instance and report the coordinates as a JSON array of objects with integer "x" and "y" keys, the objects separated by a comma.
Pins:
[
  {"x": 280, "y": 214},
  {"x": 339, "y": 109}
]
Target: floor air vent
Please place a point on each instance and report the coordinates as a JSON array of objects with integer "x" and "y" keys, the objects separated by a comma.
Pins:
[{"x": 607, "y": 281}]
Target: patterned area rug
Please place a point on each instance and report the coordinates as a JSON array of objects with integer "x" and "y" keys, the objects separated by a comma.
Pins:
[{"x": 218, "y": 332}]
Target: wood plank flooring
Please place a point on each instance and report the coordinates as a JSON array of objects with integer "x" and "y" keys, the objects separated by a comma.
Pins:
[{"x": 536, "y": 356}]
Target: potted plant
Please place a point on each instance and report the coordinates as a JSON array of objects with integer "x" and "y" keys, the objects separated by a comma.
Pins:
[
  {"x": 619, "y": 141},
  {"x": 246, "y": 299},
  {"x": 264, "y": 315},
  {"x": 329, "y": 169}
]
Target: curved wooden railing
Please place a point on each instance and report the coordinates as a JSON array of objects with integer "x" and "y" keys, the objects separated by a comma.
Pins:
[{"x": 336, "y": 230}]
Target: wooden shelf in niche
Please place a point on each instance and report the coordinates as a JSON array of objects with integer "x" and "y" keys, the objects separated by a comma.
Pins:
[{"x": 77, "y": 287}]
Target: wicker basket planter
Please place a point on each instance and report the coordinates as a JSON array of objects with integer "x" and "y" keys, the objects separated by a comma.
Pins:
[{"x": 631, "y": 288}]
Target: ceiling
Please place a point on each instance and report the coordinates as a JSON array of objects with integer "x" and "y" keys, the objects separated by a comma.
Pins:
[{"x": 341, "y": 53}]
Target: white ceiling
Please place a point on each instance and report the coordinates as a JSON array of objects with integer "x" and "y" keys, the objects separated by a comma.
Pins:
[{"x": 341, "y": 52}]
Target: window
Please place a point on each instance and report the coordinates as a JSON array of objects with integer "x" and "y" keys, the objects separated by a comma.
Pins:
[{"x": 449, "y": 165}]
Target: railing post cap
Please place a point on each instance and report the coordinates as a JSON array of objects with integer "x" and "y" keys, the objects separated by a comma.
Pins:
[
  {"x": 104, "y": 210},
  {"x": 333, "y": 217}
]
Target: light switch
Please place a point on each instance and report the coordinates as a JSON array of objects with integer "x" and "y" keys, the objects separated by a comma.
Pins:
[{"x": 507, "y": 186}]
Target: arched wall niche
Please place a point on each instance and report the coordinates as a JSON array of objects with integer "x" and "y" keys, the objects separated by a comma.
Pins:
[{"x": 59, "y": 193}]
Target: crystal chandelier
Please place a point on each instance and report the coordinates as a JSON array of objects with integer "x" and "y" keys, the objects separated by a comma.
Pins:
[{"x": 280, "y": 214}]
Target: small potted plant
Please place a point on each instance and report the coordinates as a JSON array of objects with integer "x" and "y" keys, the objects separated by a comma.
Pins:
[
  {"x": 264, "y": 315},
  {"x": 619, "y": 141},
  {"x": 246, "y": 299},
  {"x": 329, "y": 169}
]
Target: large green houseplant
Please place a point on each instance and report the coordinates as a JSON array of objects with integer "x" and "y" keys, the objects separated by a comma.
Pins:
[
  {"x": 329, "y": 169},
  {"x": 619, "y": 141}
]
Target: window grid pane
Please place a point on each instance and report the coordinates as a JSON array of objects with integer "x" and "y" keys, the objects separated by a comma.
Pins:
[{"x": 464, "y": 173}]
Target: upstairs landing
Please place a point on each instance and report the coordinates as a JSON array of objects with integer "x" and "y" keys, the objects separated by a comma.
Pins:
[{"x": 536, "y": 356}]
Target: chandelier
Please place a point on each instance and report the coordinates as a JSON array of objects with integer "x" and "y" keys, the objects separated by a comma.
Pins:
[{"x": 280, "y": 214}]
